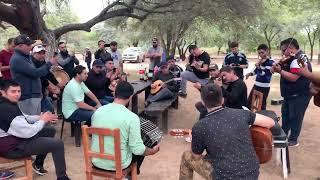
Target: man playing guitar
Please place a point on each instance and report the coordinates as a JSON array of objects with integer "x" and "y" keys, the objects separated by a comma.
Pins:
[
  {"x": 224, "y": 134},
  {"x": 168, "y": 85},
  {"x": 200, "y": 69}
]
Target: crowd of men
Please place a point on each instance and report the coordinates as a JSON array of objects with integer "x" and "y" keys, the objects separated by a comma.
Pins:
[{"x": 99, "y": 91}]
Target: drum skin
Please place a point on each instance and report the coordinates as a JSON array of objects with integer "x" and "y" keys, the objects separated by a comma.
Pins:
[
  {"x": 61, "y": 76},
  {"x": 262, "y": 143}
]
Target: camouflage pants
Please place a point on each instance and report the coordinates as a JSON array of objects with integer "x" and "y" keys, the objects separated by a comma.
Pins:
[{"x": 188, "y": 164}]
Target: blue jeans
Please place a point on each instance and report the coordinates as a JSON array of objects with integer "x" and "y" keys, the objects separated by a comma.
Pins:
[
  {"x": 81, "y": 115},
  {"x": 104, "y": 101},
  {"x": 292, "y": 111},
  {"x": 47, "y": 105}
]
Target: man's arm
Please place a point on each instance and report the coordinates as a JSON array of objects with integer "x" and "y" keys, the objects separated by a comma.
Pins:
[
  {"x": 30, "y": 70},
  {"x": 3, "y": 68},
  {"x": 197, "y": 144},
  {"x": 83, "y": 105},
  {"x": 93, "y": 98},
  {"x": 263, "y": 121},
  {"x": 289, "y": 76},
  {"x": 245, "y": 63},
  {"x": 75, "y": 60}
]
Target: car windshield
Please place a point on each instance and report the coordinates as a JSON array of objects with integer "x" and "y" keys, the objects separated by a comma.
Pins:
[{"x": 130, "y": 50}]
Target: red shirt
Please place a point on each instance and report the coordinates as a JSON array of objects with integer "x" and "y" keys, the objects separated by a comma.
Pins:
[{"x": 5, "y": 60}]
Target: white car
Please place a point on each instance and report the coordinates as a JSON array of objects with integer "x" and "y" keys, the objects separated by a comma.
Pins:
[{"x": 133, "y": 54}]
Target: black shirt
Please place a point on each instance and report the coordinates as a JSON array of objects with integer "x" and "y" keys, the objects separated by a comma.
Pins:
[
  {"x": 237, "y": 59},
  {"x": 202, "y": 59},
  {"x": 300, "y": 87},
  {"x": 102, "y": 54},
  {"x": 235, "y": 96},
  {"x": 224, "y": 134},
  {"x": 98, "y": 84},
  {"x": 88, "y": 56}
]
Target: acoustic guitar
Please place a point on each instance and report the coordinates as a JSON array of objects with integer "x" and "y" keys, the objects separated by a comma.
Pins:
[
  {"x": 316, "y": 98},
  {"x": 158, "y": 85},
  {"x": 261, "y": 141}
]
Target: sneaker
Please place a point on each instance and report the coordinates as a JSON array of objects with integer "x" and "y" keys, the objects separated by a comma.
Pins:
[
  {"x": 6, "y": 175},
  {"x": 293, "y": 143},
  {"x": 182, "y": 94},
  {"x": 39, "y": 170}
]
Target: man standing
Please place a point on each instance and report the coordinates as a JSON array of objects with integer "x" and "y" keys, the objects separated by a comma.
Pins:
[
  {"x": 116, "y": 56},
  {"x": 155, "y": 54},
  {"x": 118, "y": 116},
  {"x": 200, "y": 69},
  {"x": 294, "y": 89},
  {"x": 38, "y": 58},
  {"x": 88, "y": 57},
  {"x": 224, "y": 134},
  {"x": 66, "y": 60},
  {"x": 102, "y": 53},
  {"x": 98, "y": 83},
  {"x": 236, "y": 59},
  {"x": 22, "y": 135},
  {"x": 263, "y": 78},
  {"x": 5, "y": 56},
  {"x": 27, "y": 75},
  {"x": 235, "y": 94},
  {"x": 73, "y": 105}
]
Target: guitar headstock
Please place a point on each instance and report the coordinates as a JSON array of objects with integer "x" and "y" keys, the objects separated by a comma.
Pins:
[{"x": 180, "y": 132}]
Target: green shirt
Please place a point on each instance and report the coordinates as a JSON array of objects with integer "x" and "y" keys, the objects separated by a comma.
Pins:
[
  {"x": 72, "y": 93},
  {"x": 117, "y": 116}
]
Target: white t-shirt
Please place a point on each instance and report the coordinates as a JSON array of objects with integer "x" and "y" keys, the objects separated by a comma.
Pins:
[{"x": 117, "y": 58}]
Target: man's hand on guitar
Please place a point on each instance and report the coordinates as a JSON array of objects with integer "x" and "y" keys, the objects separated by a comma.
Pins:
[
  {"x": 304, "y": 71},
  {"x": 276, "y": 68},
  {"x": 153, "y": 86},
  {"x": 163, "y": 85}
]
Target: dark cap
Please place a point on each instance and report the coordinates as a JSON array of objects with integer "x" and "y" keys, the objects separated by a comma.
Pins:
[
  {"x": 162, "y": 64},
  {"x": 113, "y": 43},
  {"x": 97, "y": 62},
  {"x": 23, "y": 39},
  {"x": 213, "y": 66}
]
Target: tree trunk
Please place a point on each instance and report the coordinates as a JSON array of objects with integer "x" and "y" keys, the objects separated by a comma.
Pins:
[
  {"x": 219, "y": 48},
  {"x": 319, "y": 49},
  {"x": 311, "y": 52}
]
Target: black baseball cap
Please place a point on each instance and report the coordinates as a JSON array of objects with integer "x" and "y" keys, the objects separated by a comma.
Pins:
[
  {"x": 23, "y": 39},
  {"x": 98, "y": 63}
]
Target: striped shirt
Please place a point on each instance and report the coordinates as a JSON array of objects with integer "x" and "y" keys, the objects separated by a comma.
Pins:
[{"x": 263, "y": 73}]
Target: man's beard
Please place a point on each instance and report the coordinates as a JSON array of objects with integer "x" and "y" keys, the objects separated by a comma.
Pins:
[{"x": 155, "y": 46}]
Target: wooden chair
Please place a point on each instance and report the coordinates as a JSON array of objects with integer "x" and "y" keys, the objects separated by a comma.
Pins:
[
  {"x": 88, "y": 155},
  {"x": 27, "y": 165},
  {"x": 256, "y": 103}
]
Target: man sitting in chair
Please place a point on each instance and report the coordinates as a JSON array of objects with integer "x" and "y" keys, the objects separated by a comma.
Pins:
[
  {"x": 22, "y": 135},
  {"x": 73, "y": 105},
  {"x": 116, "y": 115},
  {"x": 224, "y": 134},
  {"x": 168, "y": 86}
]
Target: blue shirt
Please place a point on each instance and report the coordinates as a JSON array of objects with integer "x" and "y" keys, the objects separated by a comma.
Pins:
[{"x": 264, "y": 74}]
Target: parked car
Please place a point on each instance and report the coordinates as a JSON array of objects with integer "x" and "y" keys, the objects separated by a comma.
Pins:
[{"x": 133, "y": 54}]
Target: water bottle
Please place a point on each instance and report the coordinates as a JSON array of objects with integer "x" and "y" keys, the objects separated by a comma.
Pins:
[{"x": 141, "y": 72}]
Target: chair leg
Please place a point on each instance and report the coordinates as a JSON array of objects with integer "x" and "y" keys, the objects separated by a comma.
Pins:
[
  {"x": 62, "y": 126},
  {"x": 284, "y": 163},
  {"x": 77, "y": 133},
  {"x": 164, "y": 119},
  {"x": 134, "y": 172},
  {"x": 72, "y": 128},
  {"x": 28, "y": 164}
]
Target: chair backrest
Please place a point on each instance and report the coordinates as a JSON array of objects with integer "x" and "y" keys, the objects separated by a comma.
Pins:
[
  {"x": 101, "y": 133},
  {"x": 256, "y": 102}
]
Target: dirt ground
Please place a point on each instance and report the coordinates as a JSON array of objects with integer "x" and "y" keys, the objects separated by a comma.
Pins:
[{"x": 165, "y": 165}]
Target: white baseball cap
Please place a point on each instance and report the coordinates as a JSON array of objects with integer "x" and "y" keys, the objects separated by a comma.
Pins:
[{"x": 38, "y": 48}]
